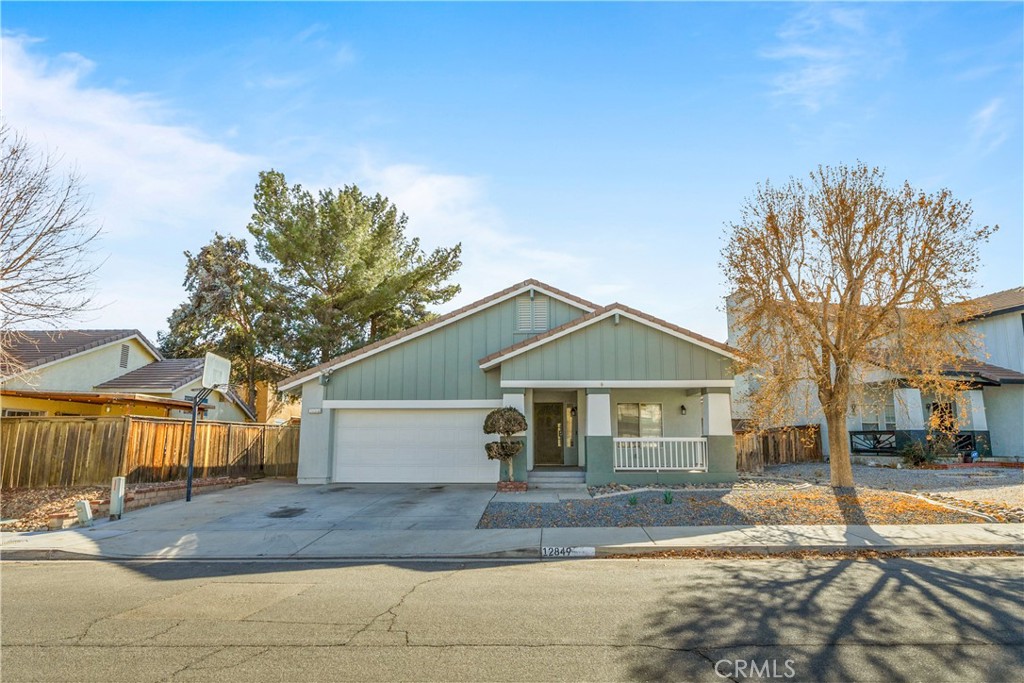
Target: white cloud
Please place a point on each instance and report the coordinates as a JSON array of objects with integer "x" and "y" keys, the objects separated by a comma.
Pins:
[
  {"x": 157, "y": 187},
  {"x": 446, "y": 208},
  {"x": 823, "y": 48},
  {"x": 988, "y": 128}
]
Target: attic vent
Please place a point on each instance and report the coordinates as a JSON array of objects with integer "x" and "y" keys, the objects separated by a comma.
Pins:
[
  {"x": 124, "y": 355},
  {"x": 531, "y": 313}
]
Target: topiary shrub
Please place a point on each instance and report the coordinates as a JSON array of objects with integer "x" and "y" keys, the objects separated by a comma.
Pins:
[{"x": 506, "y": 422}]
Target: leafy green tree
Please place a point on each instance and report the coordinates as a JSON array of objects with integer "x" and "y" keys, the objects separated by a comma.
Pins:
[
  {"x": 234, "y": 309},
  {"x": 351, "y": 275}
]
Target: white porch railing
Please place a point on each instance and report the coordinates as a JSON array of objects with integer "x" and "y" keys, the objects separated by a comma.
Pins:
[{"x": 664, "y": 453}]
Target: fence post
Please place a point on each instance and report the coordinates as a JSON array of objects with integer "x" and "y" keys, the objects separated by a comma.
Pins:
[
  {"x": 263, "y": 449},
  {"x": 227, "y": 452},
  {"x": 122, "y": 465}
]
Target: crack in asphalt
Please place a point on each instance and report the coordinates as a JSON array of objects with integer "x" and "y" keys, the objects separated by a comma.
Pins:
[{"x": 391, "y": 611}]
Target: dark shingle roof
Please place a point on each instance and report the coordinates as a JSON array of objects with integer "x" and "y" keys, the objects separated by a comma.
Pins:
[
  {"x": 27, "y": 349},
  {"x": 1000, "y": 302},
  {"x": 164, "y": 375}
]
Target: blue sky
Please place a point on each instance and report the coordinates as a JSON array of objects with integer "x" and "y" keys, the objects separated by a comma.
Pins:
[{"x": 598, "y": 147}]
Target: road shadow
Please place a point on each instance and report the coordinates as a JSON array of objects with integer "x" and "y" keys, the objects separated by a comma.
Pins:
[{"x": 878, "y": 620}]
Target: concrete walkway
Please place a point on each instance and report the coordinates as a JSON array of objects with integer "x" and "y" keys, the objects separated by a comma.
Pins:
[{"x": 276, "y": 520}]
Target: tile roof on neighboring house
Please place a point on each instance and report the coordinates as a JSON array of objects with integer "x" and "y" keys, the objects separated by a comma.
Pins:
[
  {"x": 165, "y": 375},
  {"x": 169, "y": 375},
  {"x": 28, "y": 349},
  {"x": 298, "y": 378},
  {"x": 604, "y": 311},
  {"x": 988, "y": 372},
  {"x": 999, "y": 302}
]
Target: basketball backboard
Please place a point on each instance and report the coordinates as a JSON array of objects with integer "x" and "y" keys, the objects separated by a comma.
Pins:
[{"x": 216, "y": 371}]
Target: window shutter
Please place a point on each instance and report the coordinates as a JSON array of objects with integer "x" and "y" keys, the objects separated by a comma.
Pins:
[{"x": 124, "y": 355}]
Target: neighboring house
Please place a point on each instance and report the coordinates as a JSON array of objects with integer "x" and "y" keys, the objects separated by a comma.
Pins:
[
  {"x": 82, "y": 372},
  {"x": 990, "y": 414},
  {"x": 610, "y": 393},
  {"x": 180, "y": 379}
]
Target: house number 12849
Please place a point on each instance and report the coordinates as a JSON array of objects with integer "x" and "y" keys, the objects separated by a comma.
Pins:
[{"x": 566, "y": 551}]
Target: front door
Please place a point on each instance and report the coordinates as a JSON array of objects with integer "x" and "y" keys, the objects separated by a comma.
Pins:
[{"x": 547, "y": 430}]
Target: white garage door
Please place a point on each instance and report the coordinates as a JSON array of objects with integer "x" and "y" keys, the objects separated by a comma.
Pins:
[{"x": 423, "y": 446}]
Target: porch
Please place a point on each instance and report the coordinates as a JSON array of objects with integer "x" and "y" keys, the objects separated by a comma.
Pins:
[{"x": 625, "y": 434}]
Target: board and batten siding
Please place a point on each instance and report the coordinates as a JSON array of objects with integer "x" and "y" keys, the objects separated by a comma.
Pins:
[
  {"x": 625, "y": 351},
  {"x": 442, "y": 365},
  {"x": 1003, "y": 339}
]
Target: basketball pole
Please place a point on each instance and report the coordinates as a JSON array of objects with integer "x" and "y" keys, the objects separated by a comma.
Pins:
[{"x": 199, "y": 397}]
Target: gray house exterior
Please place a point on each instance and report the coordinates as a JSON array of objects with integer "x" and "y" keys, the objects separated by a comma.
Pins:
[{"x": 608, "y": 391}]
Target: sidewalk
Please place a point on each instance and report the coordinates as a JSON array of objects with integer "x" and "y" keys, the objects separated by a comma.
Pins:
[
  {"x": 281, "y": 521},
  {"x": 107, "y": 541}
]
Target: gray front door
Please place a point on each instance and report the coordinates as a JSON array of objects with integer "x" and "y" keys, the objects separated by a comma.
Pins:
[{"x": 547, "y": 434}]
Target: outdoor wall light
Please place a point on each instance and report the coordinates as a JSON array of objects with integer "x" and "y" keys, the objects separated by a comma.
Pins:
[{"x": 682, "y": 409}]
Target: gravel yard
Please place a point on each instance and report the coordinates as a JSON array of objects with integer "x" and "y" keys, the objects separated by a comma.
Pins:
[
  {"x": 812, "y": 505},
  {"x": 993, "y": 491},
  {"x": 30, "y": 509}
]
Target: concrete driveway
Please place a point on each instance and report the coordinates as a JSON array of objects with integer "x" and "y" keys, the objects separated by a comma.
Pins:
[{"x": 282, "y": 506}]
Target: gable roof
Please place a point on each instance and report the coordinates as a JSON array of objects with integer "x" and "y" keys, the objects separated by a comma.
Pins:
[
  {"x": 1006, "y": 301},
  {"x": 169, "y": 375},
  {"x": 29, "y": 349},
  {"x": 435, "y": 323},
  {"x": 603, "y": 313}
]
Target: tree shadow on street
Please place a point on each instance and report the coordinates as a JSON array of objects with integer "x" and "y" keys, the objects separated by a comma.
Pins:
[{"x": 879, "y": 620}]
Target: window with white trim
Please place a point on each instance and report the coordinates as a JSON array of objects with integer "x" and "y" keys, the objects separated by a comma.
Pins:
[
  {"x": 879, "y": 411},
  {"x": 15, "y": 412},
  {"x": 532, "y": 313},
  {"x": 639, "y": 420}
]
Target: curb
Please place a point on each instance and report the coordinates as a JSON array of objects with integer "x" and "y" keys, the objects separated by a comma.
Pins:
[
  {"x": 760, "y": 550},
  {"x": 529, "y": 554}
]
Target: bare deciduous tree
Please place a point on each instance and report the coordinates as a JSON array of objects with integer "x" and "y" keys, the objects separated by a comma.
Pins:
[
  {"x": 843, "y": 281},
  {"x": 46, "y": 269}
]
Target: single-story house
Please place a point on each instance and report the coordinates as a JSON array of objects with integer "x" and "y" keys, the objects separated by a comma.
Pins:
[
  {"x": 102, "y": 372},
  {"x": 610, "y": 394}
]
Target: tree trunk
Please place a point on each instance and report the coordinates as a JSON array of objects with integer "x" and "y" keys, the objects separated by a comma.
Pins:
[
  {"x": 839, "y": 448},
  {"x": 511, "y": 477}
]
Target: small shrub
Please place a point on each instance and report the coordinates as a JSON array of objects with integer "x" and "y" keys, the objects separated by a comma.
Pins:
[
  {"x": 632, "y": 500},
  {"x": 914, "y": 454},
  {"x": 667, "y": 497},
  {"x": 505, "y": 422}
]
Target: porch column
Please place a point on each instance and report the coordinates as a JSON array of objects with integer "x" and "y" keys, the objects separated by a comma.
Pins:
[
  {"x": 909, "y": 410},
  {"x": 975, "y": 407},
  {"x": 717, "y": 415},
  {"x": 716, "y": 426},
  {"x": 599, "y": 412}
]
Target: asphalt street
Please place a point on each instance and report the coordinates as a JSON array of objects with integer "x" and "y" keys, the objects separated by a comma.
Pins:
[{"x": 678, "y": 620}]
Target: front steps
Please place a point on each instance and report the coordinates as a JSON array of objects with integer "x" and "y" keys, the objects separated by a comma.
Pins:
[{"x": 564, "y": 478}]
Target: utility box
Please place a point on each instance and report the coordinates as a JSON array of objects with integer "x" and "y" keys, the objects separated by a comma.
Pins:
[
  {"x": 84, "y": 511},
  {"x": 117, "y": 490}
]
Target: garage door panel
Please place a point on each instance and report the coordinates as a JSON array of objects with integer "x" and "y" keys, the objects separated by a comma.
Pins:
[{"x": 412, "y": 446}]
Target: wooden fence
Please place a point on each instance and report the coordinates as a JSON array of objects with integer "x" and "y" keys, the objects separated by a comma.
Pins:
[
  {"x": 78, "y": 451},
  {"x": 777, "y": 446}
]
